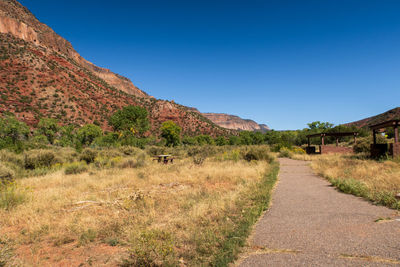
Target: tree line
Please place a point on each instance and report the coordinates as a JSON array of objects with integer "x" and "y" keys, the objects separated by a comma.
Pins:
[{"x": 130, "y": 126}]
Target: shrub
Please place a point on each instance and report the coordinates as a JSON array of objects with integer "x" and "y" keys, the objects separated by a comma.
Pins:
[
  {"x": 231, "y": 155},
  {"x": 285, "y": 153},
  {"x": 102, "y": 162},
  {"x": 156, "y": 150},
  {"x": 152, "y": 248},
  {"x": 204, "y": 151},
  {"x": 129, "y": 150},
  {"x": 7, "y": 156},
  {"x": 6, "y": 251},
  {"x": 87, "y": 236},
  {"x": 109, "y": 153},
  {"x": 75, "y": 168},
  {"x": 198, "y": 160},
  {"x": 258, "y": 153},
  {"x": 363, "y": 145},
  {"x": 39, "y": 159},
  {"x": 6, "y": 174},
  {"x": 138, "y": 162},
  {"x": 88, "y": 155},
  {"x": 298, "y": 150},
  {"x": 11, "y": 195},
  {"x": 127, "y": 163},
  {"x": 68, "y": 154},
  {"x": 141, "y": 160}
]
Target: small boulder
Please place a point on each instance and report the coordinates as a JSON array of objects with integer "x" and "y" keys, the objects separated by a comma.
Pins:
[{"x": 397, "y": 196}]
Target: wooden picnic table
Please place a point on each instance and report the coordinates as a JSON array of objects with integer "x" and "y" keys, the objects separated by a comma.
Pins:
[{"x": 164, "y": 158}]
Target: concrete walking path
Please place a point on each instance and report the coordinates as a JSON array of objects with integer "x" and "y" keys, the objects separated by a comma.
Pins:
[{"x": 312, "y": 224}]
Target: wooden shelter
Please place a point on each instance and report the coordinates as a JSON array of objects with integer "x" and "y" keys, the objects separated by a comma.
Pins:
[
  {"x": 323, "y": 149},
  {"x": 393, "y": 149}
]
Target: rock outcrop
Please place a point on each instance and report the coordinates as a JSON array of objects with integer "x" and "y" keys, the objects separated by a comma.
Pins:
[{"x": 235, "y": 122}]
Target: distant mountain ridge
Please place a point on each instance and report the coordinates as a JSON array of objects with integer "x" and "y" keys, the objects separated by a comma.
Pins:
[
  {"x": 41, "y": 75},
  {"x": 388, "y": 115},
  {"x": 235, "y": 122}
]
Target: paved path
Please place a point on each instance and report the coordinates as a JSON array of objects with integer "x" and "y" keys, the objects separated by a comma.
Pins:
[{"x": 311, "y": 224}]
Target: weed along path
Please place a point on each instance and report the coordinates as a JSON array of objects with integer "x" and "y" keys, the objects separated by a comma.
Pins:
[{"x": 311, "y": 224}]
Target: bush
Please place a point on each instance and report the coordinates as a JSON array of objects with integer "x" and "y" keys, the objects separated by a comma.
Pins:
[
  {"x": 129, "y": 150},
  {"x": 198, "y": 160},
  {"x": 68, "y": 154},
  {"x": 258, "y": 153},
  {"x": 7, "y": 156},
  {"x": 231, "y": 155},
  {"x": 6, "y": 251},
  {"x": 11, "y": 195},
  {"x": 298, "y": 150},
  {"x": 138, "y": 162},
  {"x": 363, "y": 145},
  {"x": 40, "y": 159},
  {"x": 75, "y": 168},
  {"x": 285, "y": 153},
  {"x": 204, "y": 151},
  {"x": 6, "y": 174},
  {"x": 152, "y": 248},
  {"x": 88, "y": 155},
  {"x": 156, "y": 150}
]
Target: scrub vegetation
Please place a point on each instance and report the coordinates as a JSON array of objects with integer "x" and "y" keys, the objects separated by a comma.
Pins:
[{"x": 116, "y": 206}]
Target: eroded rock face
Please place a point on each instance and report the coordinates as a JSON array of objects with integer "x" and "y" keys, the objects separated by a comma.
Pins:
[
  {"x": 20, "y": 22},
  {"x": 235, "y": 122}
]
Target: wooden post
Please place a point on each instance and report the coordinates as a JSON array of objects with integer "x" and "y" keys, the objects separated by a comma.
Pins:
[
  {"x": 374, "y": 133},
  {"x": 355, "y": 138},
  {"x": 396, "y": 134},
  {"x": 337, "y": 141},
  {"x": 322, "y": 140}
]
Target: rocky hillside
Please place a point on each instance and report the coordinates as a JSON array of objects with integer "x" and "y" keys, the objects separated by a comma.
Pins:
[
  {"x": 17, "y": 20},
  {"x": 42, "y": 75},
  {"x": 235, "y": 122},
  {"x": 388, "y": 115}
]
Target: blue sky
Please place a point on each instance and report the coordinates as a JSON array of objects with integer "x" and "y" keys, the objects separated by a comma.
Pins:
[{"x": 283, "y": 63}]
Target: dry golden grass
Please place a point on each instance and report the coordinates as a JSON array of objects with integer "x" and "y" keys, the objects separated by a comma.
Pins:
[
  {"x": 378, "y": 181},
  {"x": 96, "y": 217}
]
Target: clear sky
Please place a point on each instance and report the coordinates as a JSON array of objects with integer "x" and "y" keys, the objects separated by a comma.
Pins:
[{"x": 283, "y": 63}]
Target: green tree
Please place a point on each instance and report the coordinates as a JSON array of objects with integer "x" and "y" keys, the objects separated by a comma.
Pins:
[
  {"x": 13, "y": 130},
  {"x": 221, "y": 141},
  {"x": 89, "y": 132},
  {"x": 131, "y": 118},
  {"x": 67, "y": 135},
  {"x": 204, "y": 139},
  {"x": 49, "y": 128},
  {"x": 234, "y": 140},
  {"x": 189, "y": 140},
  {"x": 317, "y": 125},
  {"x": 171, "y": 133}
]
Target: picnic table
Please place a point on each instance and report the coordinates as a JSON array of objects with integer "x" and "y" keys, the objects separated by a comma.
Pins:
[{"x": 164, "y": 158}]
